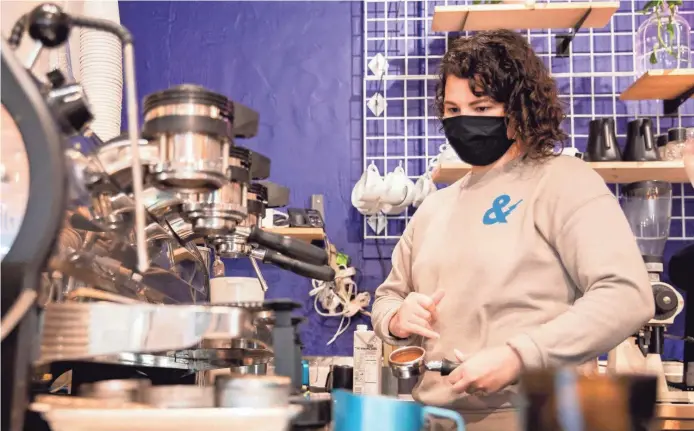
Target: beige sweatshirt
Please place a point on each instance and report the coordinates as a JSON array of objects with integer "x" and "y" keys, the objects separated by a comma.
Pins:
[{"x": 538, "y": 256}]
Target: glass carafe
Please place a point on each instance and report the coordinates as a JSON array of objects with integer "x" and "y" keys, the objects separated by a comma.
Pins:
[
  {"x": 663, "y": 41},
  {"x": 689, "y": 155},
  {"x": 647, "y": 206}
]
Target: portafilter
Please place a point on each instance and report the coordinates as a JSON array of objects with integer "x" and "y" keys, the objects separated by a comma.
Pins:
[
  {"x": 216, "y": 213},
  {"x": 290, "y": 254},
  {"x": 407, "y": 362},
  {"x": 233, "y": 245}
]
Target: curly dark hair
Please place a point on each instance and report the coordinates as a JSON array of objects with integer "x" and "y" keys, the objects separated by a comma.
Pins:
[{"x": 503, "y": 66}]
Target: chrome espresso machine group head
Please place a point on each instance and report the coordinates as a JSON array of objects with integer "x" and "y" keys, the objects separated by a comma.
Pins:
[{"x": 115, "y": 255}]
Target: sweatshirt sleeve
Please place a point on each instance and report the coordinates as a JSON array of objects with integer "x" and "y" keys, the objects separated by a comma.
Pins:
[
  {"x": 391, "y": 294},
  {"x": 585, "y": 224}
]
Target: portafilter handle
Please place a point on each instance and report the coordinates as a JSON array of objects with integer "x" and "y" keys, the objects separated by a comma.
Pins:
[
  {"x": 316, "y": 272},
  {"x": 445, "y": 367},
  {"x": 285, "y": 245}
]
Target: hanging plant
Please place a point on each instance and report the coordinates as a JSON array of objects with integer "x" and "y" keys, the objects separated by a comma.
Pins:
[
  {"x": 486, "y": 1},
  {"x": 656, "y": 7}
]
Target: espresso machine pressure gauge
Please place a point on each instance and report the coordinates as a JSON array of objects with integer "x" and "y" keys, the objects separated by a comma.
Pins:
[{"x": 33, "y": 191}]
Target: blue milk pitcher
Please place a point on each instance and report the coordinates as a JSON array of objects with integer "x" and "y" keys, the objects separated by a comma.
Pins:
[{"x": 374, "y": 413}]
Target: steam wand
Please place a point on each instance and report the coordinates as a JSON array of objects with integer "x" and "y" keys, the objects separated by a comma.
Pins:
[{"x": 256, "y": 268}]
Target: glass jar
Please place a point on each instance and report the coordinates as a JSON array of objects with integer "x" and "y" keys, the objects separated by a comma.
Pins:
[
  {"x": 663, "y": 41},
  {"x": 676, "y": 137},
  {"x": 689, "y": 155}
]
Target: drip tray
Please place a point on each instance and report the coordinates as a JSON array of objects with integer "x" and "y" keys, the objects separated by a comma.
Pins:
[{"x": 228, "y": 353}]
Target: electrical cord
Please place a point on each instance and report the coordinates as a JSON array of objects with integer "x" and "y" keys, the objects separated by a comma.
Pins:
[
  {"x": 340, "y": 293},
  {"x": 18, "y": 31},
  {"x": 680, "y": 338},
  {"x": 384, "y": 273}
]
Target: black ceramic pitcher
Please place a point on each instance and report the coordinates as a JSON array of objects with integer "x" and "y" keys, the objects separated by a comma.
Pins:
[
  {"x": 602, "y": 142},
  {"x": 640, "y": 145}
]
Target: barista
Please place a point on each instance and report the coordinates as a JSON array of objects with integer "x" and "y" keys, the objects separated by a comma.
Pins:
[{"x": 527, "y": 261}]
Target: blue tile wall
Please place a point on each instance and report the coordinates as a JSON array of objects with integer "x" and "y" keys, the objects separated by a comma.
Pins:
[{"x": 601, "y": 66}]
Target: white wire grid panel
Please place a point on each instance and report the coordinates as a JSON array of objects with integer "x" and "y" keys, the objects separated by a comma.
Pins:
[{"x": 407, "y": 132}]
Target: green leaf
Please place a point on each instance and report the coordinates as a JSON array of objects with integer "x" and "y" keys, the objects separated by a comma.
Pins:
[
  {"x": 654, "y": 59},
  {"x": 652, "y": 4},
  {"x": 671, "y": 31}
]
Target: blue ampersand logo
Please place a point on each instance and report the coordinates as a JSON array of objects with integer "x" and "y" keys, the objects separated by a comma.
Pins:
[{"x": 499, "y": 212}]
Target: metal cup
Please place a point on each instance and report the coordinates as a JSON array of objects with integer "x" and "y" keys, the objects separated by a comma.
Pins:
[{"x": 252, "y": 391}]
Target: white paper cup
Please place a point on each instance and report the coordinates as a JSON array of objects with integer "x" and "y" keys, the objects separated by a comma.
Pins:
[{"x": 235, "y": 289}]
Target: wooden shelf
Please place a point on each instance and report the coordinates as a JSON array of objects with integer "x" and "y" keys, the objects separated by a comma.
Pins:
[
  {"x": 448, "y": 173},
  {"x": 303, "y": 233},
  {"x": 521, "y": 17},
  {"x": 611, "y": 172},
  {"x": 660, "y": 84},
  {"x": 631, "y": 172}
]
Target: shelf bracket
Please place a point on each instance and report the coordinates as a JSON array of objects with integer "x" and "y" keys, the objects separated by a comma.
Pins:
[
  {"x": 671, "y": 106},
  {"x": 564, "y": 40}
]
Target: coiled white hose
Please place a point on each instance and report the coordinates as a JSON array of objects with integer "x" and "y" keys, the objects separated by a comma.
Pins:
[{"x": 101, "y": 69}]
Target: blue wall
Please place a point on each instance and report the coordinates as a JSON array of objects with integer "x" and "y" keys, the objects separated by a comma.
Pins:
[{"x": 299, "y": 65}]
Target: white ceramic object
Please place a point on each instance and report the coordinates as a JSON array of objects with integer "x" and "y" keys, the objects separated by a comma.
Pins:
[
  {"x": 447, "y": 154},
  {"x": 423, "y": 188},
  {"x": 569, "y": 151},
  {"x": 369, "y": 188},
  {"x": 406, "y": 202},
  {"x": 370, "y": 208},
  {"x": 396, "y": 187},
  {"x": 214, "y": 419},
  {"x": 366, "y": 208},
  {"x": 235, "y": 289}
]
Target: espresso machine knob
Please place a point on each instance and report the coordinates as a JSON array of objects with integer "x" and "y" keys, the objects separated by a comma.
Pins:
[
  {"x": 665, "y": 301},
  {"x": 49, "y": 25},
  {"x": 668, "y": 303}
]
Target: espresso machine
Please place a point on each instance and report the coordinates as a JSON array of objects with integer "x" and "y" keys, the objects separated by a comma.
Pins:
[
  {"x": 647, "y": 206},
  {"x": 104, "y": 266}
]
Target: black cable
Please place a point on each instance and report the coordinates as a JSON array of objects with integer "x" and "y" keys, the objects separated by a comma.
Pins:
[
  {"x": 18, "y": 31},
  {"x": 680, "y": 338},
  {"x": 384, "y": 273}
]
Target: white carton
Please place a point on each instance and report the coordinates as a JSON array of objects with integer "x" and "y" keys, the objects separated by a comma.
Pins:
[{"x": 368, "y": 360}]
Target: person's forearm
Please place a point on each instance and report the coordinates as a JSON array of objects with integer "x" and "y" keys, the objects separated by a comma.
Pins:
[
  {"x": 391, "y": 294},
  {"x": 604, "y": 317}
]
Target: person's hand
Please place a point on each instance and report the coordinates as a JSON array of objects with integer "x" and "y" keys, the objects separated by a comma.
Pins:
[
  {"x": 415, "y": 316},
  {"x": 485, "y": 372}
]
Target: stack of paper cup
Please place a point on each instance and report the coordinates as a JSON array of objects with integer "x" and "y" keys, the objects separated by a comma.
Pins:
[{"x": 101, "y": 70}]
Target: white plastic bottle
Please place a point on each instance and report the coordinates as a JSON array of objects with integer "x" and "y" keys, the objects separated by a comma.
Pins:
[{"x": 368, "y": 360}]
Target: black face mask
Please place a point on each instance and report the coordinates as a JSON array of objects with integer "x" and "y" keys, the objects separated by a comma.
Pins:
[{"x": 479, "y": 141}]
